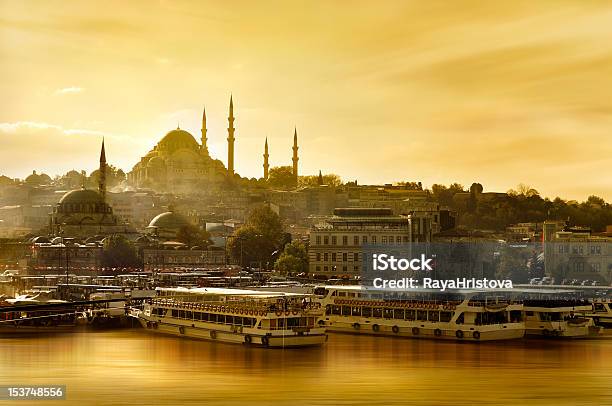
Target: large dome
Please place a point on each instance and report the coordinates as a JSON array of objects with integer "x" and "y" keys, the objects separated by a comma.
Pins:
[
  {"x": 178, "y": 139},
  {"x": 169, "y": 220},
  {"x": 81, "y": 196}
]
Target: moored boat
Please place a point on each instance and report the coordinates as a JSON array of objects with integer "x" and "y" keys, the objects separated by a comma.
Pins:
[
  {"x": 464, "y": 316},
  {"x": 267, "y": 319},
  {"x": 565, "y": 318},
  {"x": 601, "y": 312}
]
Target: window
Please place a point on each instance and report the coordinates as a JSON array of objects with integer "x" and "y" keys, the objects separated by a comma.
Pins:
[
  {"x": 344, "y": 257},
  {"x": 391, "y": 239},
  {"x": 333, "y": 257},
  {"x": 344, "y": 240},
  {"x": 364, "y": 239},
  {"x": 355, "y": 256},
  {"x": 326, "y": 240},
  {"x": 356, "y": 240},
  {"x": 384, "y": 239},
  {"x": 318, "y": 256},
  {"x": 325, "y": 257},
  {"x": 373, "y": 239},
  {"x": 398, "y": 240},
  {"x": 334, "y": 240},
  {"x": 318, "y": 240},
  {"x": 318, "y": 268}
]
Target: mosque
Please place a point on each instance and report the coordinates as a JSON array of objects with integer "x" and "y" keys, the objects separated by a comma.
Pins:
[
  {"x": 85, "y": 213},
  {"x": 179, "y": 164}
]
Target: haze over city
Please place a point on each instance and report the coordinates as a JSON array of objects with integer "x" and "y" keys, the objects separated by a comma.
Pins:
[{"x": 436, "y": 92}]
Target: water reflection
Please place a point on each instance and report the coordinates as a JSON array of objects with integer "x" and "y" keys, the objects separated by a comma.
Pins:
[{"x": 131, "y": 366}]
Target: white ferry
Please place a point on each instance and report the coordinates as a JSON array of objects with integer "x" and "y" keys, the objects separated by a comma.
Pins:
[
  {"x": 461, "y": 315},
  {"x": 559, "y": 318},
  {"x": 268, "y": 319},
  {"x": 601, "y": 312}
]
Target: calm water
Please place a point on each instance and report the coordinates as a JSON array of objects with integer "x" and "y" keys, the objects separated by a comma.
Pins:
[{"x": 130, "y": 366}]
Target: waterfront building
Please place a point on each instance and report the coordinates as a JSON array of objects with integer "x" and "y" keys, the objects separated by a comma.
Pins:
[
  {"x": 574, "y": 253},
  {"x": 335, "y": 246},
  {"x": 172, "y": 256}
]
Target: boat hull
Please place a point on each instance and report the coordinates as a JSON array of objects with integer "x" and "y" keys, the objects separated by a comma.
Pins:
[
  {"x": 315, "y": 337},
  {"x": 563, "y": 331},
  {"x": 508, "y": 331}
]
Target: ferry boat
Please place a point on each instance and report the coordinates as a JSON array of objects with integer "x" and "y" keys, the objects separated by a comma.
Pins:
[
  {"x": 601, "y": 312},
  {"x": 460, "y": 315},
  {"x": 559, "y": 318},
  {"x": 258, "y": 318}
]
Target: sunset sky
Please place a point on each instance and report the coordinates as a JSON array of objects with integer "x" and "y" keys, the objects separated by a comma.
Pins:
[{"x": 460, "y": 91}]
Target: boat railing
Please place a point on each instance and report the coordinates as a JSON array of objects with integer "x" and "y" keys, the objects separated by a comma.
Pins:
[{"x": 251, "y": 308}]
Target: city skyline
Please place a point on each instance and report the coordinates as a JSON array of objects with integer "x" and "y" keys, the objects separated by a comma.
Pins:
[{"x": 522, "y": 100}]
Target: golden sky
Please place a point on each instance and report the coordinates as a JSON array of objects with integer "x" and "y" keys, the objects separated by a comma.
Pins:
[{"x": 495, "y": 92}]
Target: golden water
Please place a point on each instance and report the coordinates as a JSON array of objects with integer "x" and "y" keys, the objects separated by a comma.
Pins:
[{"x": 133, "y": 367}]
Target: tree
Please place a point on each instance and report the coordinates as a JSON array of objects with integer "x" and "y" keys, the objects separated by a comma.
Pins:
[
  {"x": 281, "y": 177},
  {"x": 118, "y": 251},
  {"x": 294, "y": 259},
  {"x": 523, "y": 190},
  {"x": 257, "y": 240},
  {"x": 329, "y": 179},
  {"x": 192, "y": 236}
]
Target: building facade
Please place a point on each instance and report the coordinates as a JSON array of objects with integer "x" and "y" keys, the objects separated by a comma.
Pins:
[{"x": 335, "y": 246}]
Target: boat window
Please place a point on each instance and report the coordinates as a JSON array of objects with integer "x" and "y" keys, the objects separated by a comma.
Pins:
[
  {"x": 337, "y": 310},
  {"x": 460, "y": 319},
  {"x": 366, "y": 312},
  {"x": 181, "y": 314},
  {"x": 529, "y": 313},
  {"x": 377, "y": 312},
  {"x": 434, "y": 315},
  {"x": 599, "y": 307},
  {"x": 229, "y": 319},
  {"x": 175, "y": 313},
  {"x": 342, "y": 294},
  {"x": 328, "y": 310},
  {"x": 398, "y": 314},
  {"x": 388, "y": 313},
  {"x": 189, "y": 315},
  {"x": 445, "y": 317},
  {"x": 356, "y": 311},
  {"x": 281, "y": 324},
  {"x": 346, "y": 310},
  {"x": 422, "y": 315},
  {"x": 515, "y": 316},
  {"x": 410, "y": 315},
  {"x": 273, "y": 324}
]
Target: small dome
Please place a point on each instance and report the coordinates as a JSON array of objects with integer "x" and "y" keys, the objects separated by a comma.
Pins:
[
  {"x": 169, "y": 220},
  {"x": 82, "y": 196},
  {"x": 178, "y": 139}
]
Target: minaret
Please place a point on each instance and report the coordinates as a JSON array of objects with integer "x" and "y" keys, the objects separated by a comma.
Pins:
[
  {"x": 230, "y": 139},
  {"x": 102, "y": 170},
  {"x": 295, "y": 156},
  {"x": 320, "y": 179},
  {"x": 266, "y": 165},
  {"x": 204, "y": 139}
]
